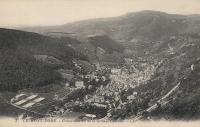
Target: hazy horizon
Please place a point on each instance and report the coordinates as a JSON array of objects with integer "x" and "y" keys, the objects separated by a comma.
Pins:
[{"x": 28, "y": 13}]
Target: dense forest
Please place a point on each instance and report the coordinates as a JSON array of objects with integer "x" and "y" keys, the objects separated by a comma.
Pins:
[
  {"x": 19, "y": 70},
  {"x": 18, "y": 67}
]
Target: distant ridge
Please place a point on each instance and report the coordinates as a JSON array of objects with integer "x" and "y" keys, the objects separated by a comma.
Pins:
[{"x": 143, "y": 25}]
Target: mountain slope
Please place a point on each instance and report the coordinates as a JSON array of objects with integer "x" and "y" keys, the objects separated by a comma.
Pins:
[
  {"x": 105, "y": 43},
  {"x": 100, "y": 48},
  {"x": 176, "y": 61},
  {"x": 18, "y": 67},
  {"x": 167, "y": 42},
  {"x": 35, "y": 43},
  {"x": 144, "y": 25}
]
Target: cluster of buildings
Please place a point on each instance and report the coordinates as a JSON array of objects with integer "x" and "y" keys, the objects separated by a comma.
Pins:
[
  {"x": 113, "y": 95},
  {"x": 118, "y": 93}
]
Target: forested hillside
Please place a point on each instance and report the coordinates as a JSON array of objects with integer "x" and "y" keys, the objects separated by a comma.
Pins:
[{"x": 19, "y": 69}]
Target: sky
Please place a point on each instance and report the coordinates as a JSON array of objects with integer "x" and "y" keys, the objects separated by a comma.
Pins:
[{"x": 57, "y": 12}]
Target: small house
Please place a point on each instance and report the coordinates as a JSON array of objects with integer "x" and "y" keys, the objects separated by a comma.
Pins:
[
  {"x": 100, "y": 105},
  {"x": 79, "y": 84},
  {"x": 131, "y": 97},
  {"x": 67, "y": 84},
  {"x": 90, "y": 115},
  {"x": 115, "y": 71}
]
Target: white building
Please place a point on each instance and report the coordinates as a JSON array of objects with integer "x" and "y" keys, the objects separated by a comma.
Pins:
[
  {"x": 79, "y": 84},
  {"x": 116, "y": 71},
  {"x": 192, "y": 67},
  {"x": 91, "y": 115},
  {"x": 67, "y": 84},
  {"x": 128, "y": 60},
  {"x": 100, "y": 105},
  {"x": 131, "y": 97},
  {"x": 135, "y": 93}
]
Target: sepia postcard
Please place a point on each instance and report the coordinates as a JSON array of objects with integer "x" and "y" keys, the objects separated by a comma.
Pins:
[{"x": 108, "y": 63}]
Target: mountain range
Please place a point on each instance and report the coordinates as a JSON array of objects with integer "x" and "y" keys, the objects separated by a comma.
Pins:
[
  {"x": 144, "y": 25},
  {"x": 169, "y": 42}
]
